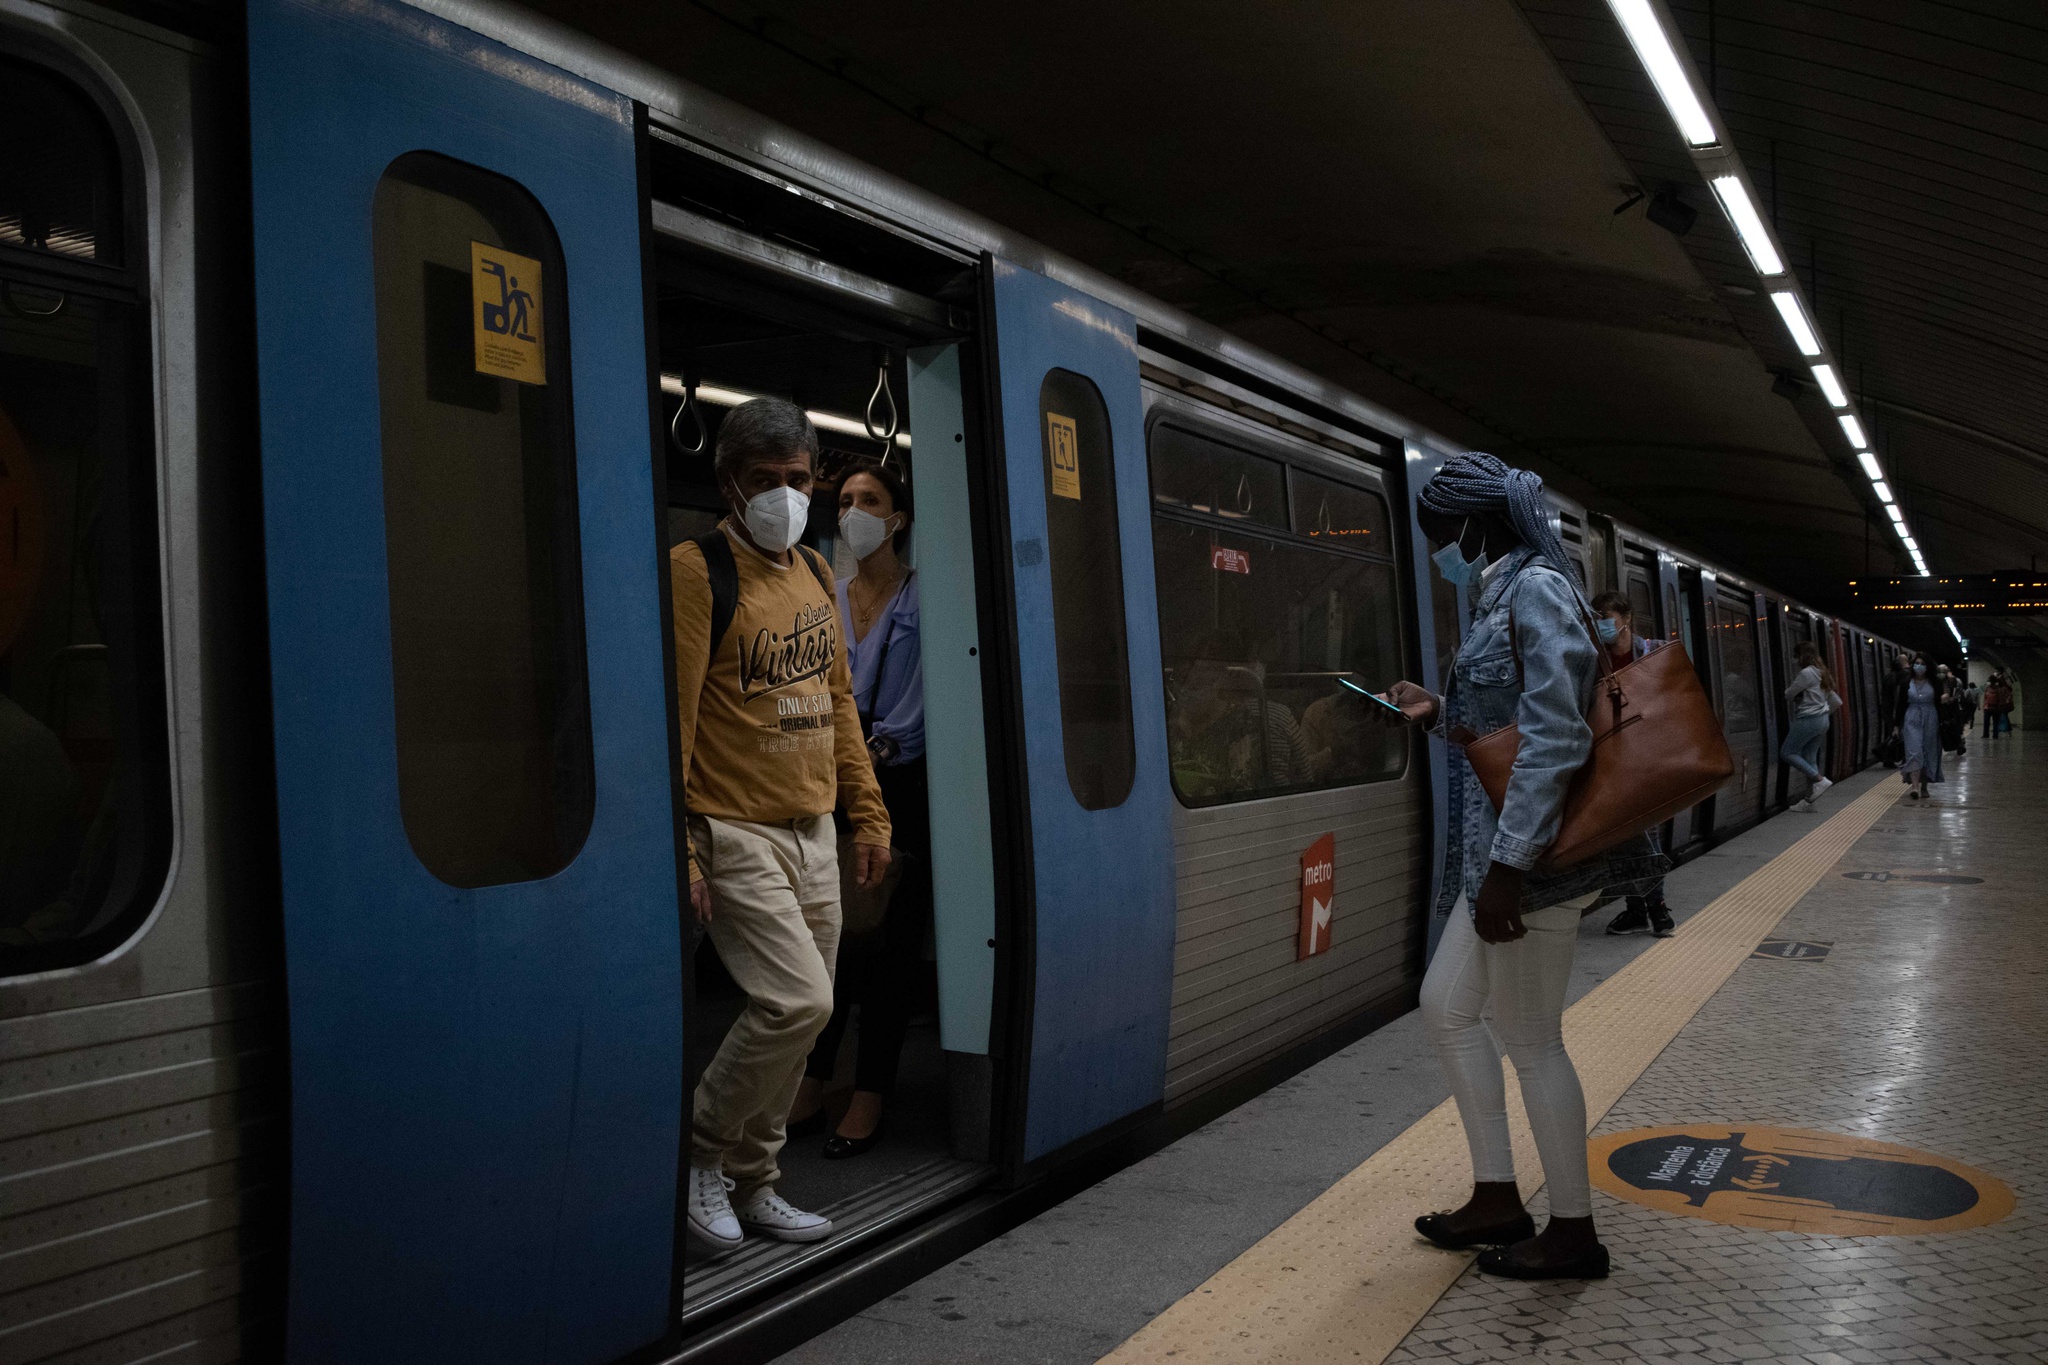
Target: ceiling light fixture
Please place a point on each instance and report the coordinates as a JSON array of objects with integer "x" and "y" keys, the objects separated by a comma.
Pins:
[
  {"x": 1952, "y": 628},
  {"x": 1891, "y": 509},
  {"x": 1853, "y": 429},
  {"x": 1749, "y": 225},
  {"x": 1882, "y": 489},
  {"x": 1870, "y": 464},
  {"x": 1639, "y": 19},
  {"x": 1803, "y": 335},
  {"x": 1837, "y": 396}
]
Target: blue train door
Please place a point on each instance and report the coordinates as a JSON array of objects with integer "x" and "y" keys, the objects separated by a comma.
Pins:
[
  {"x": 1094, "y": 714},
  {"x": 469, "y": 693}
]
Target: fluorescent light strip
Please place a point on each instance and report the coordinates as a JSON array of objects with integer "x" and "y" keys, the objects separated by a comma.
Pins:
[
  {"x": 1749, "y": 226},
  {"x": 1837, "y": 396},
  {"x": 1891, "y": 509},
  {"x": 1853, "y": 429},
  {"x": 1952, "y": 628},
  {"x": 719, "y": 396},
  {"x": 1882, "y": 489},
  {"x": 1806, "y": 339},
  {"x": 1870, "y": 464},
  {"x": 1653, "y": 48}
]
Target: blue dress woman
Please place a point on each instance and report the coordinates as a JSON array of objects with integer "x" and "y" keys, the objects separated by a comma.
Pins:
[{"x": 1920, "y": 728}]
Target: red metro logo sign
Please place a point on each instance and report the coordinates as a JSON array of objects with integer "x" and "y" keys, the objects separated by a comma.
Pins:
[{"x": 1318, "y": 894}]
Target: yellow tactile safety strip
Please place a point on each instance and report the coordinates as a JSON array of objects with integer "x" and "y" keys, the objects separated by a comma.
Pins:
[{"x": 1346, "y": 1278}]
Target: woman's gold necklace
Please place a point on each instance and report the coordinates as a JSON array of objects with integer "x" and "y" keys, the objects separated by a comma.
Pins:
[{"x": 864, "y": 616}]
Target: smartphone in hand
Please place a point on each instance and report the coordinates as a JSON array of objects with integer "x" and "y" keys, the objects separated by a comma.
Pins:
[{"x": 1374, "y": 696}]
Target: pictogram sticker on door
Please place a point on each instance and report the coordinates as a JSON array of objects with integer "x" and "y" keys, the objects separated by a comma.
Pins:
[{"x": 1318, "y": 895}]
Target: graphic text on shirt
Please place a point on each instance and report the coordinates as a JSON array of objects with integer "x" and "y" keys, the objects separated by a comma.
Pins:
[{"x": 771, "y": 661}]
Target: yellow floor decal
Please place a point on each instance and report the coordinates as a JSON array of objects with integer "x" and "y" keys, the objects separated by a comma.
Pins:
[{"x": 1346, "y": 1278}]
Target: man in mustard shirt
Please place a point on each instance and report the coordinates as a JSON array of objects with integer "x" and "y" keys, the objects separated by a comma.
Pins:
[{"x": 770, "y": 745}]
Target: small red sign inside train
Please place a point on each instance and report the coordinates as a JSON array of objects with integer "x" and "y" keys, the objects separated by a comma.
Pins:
[
  {"x": 1318, "y": 894},
  {"x": 1229, "y": 561}
]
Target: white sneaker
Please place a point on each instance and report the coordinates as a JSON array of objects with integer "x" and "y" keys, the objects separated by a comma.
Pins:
[
  {"x": 1802, "y": 807},
  {"x": 710, "y": 1211},
  {"x": 1822, "y": 785},
  {"x": 769, "y": 1214}
]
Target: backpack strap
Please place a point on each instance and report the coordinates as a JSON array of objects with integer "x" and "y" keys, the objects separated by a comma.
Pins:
[{"x": 724, "y": 573}]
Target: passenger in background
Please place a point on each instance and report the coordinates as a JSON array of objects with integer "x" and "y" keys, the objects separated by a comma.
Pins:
[
  {"x": 878, "y": 969},
  {"x": 1508, "y": 943},
  {"x": 1226, "y": 735},
  {"x": 1951, "y": 708},
  {"x": 1807, "y": 696},
  {"x": 1968, "y": 697},
  {"x": 1614, "y": 618},
  {"x": 1919, "y": 723},
  {"x": 770, "y": 745},
  {"x": 1998, "y": 706}
]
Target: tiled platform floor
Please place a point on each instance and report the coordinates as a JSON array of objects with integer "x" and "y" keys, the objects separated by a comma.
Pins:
[{"x": 1927, "y": 1025}]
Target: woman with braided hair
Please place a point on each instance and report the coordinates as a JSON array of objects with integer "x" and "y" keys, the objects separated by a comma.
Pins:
[{"x": 1530, "y": 660}]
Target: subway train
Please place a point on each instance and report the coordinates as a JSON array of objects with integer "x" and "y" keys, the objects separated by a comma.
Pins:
[{"x": 359, "y": 366}]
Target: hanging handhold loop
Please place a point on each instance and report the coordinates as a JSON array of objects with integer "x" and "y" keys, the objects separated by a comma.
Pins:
[
  {"x": 675, "y": 423},
  {"x": 883, "y": 431}
]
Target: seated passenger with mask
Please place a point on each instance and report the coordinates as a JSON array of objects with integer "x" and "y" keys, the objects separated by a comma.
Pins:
[{"x": 770, "y": 746}]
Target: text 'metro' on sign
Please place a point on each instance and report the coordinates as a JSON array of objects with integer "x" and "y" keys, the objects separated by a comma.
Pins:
[{"x": 1983, "y": 594}]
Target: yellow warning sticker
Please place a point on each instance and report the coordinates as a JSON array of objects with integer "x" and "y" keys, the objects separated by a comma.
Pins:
[
  {"x": 1063, "y": 444},
  {"x": 505, "y": 287}
]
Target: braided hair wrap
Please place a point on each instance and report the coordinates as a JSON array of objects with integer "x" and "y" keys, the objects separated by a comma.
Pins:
[{"x": 1476, "y": 482}]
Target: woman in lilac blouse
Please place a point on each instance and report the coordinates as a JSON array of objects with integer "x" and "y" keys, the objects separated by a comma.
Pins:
[{"x": 878, "y": 971}]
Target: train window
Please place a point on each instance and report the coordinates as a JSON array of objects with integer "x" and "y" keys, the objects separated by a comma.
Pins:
[
  {"x": 487, "y": 655},
  {"x": 85, "y": 813},
  {"x": 1642, "y": 606},
  {"x": 60, "y": 190},
  {"x": 1740, "y": 702},
  {"x": 1259, "y": 632},
  {"x": 1085, "y": 554},
  {"x": 1202, "y": 475},
  {"x": 1338, "y": 514}
]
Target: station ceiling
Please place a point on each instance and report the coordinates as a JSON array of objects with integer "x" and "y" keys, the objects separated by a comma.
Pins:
[{"x": 1418, "y": 199}]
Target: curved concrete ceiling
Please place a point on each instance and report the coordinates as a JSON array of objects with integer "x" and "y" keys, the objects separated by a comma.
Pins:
[{"x": 1417, "y": 198}]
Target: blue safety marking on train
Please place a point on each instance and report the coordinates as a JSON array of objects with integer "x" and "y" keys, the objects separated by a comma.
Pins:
[{"x": 486, "y": 1082}]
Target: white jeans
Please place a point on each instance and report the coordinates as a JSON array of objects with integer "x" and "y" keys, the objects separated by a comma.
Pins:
[{"x": 1524, "y": 982}]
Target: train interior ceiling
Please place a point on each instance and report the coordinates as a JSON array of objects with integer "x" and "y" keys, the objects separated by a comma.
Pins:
[{"x": 726, "y": 334}]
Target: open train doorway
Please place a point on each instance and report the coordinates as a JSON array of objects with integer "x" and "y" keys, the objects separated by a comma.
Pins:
[{"x": 895, "y": 1113}]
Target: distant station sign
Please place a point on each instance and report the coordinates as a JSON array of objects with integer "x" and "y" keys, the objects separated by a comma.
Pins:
[
  {"x": 1796, "y": 1180},
  {"x": 1979, "y": 594}
]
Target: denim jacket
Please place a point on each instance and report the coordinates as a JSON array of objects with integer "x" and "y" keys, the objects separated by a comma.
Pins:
[{"x": 1560, "y": 667}]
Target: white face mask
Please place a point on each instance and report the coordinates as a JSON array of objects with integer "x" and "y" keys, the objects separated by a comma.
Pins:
[
  {"x": 776, "y": 518},
  {"x": 863, "y": 531}
]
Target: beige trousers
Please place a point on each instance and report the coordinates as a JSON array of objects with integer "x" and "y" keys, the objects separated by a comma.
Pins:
[{"x": 775, "y": 923}]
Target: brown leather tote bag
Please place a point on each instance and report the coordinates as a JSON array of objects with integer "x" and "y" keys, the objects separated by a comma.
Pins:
[{"x": 1657, "y": 750}]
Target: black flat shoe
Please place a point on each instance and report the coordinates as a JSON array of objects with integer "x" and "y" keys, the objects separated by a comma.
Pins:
[
  {"x": 838, "y": 1148},
  {"x": 805, "y": 1127},
  {"x": 1436, "y": 1227},
  {"x": 1591, "y": 1265}
]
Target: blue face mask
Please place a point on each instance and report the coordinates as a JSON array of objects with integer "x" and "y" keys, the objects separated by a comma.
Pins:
[
  {"x": 1450, "y": 561},
  {"x": 1610, "y": 630},
  {"x": 1919, "y": 670}
]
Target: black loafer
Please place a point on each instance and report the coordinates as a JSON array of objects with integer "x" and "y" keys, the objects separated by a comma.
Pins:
[
  {"x": 838, "y": 1148},
  {"x": 1590, "y": 1266},
  {"x": 1436, "y": 1227}
]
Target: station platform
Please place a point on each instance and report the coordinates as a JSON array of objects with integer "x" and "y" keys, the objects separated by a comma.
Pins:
[{"x": 1818, "y": 1128}]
